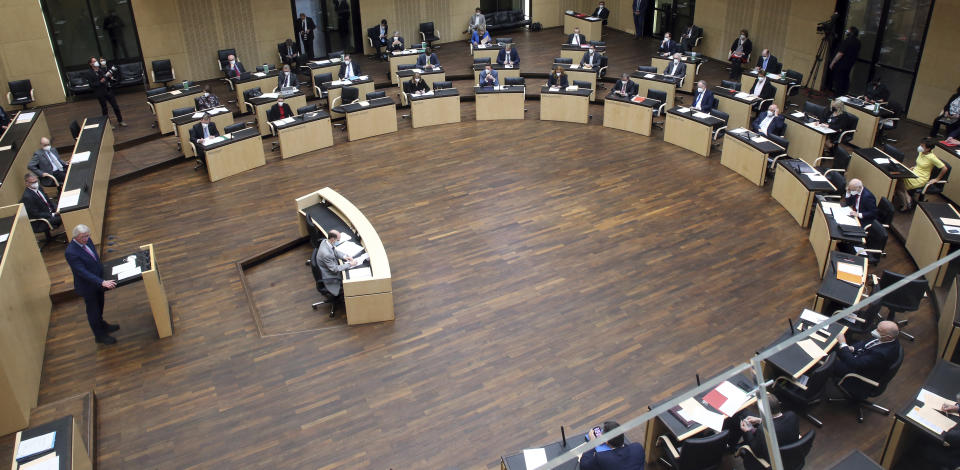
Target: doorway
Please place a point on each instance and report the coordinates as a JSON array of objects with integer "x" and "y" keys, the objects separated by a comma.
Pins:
[
  {"x": 80, "y": 29},
  {"x": 672, "y": 16}
]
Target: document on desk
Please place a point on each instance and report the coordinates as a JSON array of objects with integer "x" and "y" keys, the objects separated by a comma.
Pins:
[
  {"x": 815, "y": 176},
  {"x": 849, "y": 272},
  {"x": 813, "y": 317},
  {"x": 259, "y": 74},
  {"x": 359, "y": 274},
  {"x": 759, "y": 139},
  {"x": 36, "y": 445},
  {"x": 69, "y": 198},
  {"x": 574, "y": 66},
  {"x": 572, "y": 88},
  {"x": 364, "y": 103},
  {"x": 91, "y": 126},
  {"x": 949, "y": 221},
  {"x": 5, "y": 148},
  {"x": 649, "y": 75},
  {"x": 881, "y": 161},
  {"x": 738, "y": 131},
  {"x": 683, "y": 110},
  {"x": 129, "y": 273},
  {"x": 735, "y": 398},
  {"x": 798, "y": 114},
  {"x": 218, "y": 110},
  {"x": 80, "y": 157},
  {"x": 533, "y": 458},
  {"x": 554, "y": 88},
  {"x": 931, "y": 419},
  {"x": 270, "y": 95},
  {"x": 811, "y": 348},
  {"x": 198, "y": 115},
  {"x": 176, "y": 92},
  {"x": 349, "y": 248},
  {"x": 4, "y": 237},
  {"x": 50, "y": 461},
  {"x": 123, "y": 267},
  {"x": 25, "y": 117},
  {"x": 692, "y": 410},
  {"x": 417, "y": 70},
  {"x": 363, "y": 77},
  {"x": 700, "y": 115},
  {"x": 360, "y": 259},
  {"x": 933, "y": 400}
]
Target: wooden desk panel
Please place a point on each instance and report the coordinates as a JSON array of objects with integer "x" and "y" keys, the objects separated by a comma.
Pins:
[
  {"x": 307, "y": 137},
  {"x": 165, "y": 110},
  {"x": 740, "y": 113},
  {"x": 792, "y": 195},
  {"x": 585, "y": 76},
  {"x": 948, "y": 329},
  {"x": 501, "y": 75},
  {"x": 867, "y": 126},
  {"x": 92, "y": 215},
  {"x": 333, "y": 93},
  {"x": 485, "y": 53},
  {"x": 688, "y": 134},
  {"x": 805, "y": 143},
  {"x": 590, "y": 29},
  {"x": 559, "y": 107},
  {"x": 779, "y": 99},
  {"x": 263, "y": 124},
  {"x": 575, "y": 56},
  {"x": 434, "y": 111},
  {"x": 951, "y": 189},
  {"x": 235, "y": 158},
  {"x": 925, "y": 246},
  {"x": 872, "y": 177},
  {"x": 492, "y": 106},
  {"x": 395, "y": 60},
  {"x": 745, "y": 160},
  {"x": 820, "y": 239},
  {"x": 646, "y": 85},
  {"x": 333, "y": 69},
  {"x": 371, "y": 122},
  {"x": 627, "y": 117},
  {"x": 221, "y": 120}
]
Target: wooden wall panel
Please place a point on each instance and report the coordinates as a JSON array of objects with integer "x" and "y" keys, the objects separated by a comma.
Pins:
[
  {"x": 26, "y": 53},
  {"x": 939, "y": 73}
]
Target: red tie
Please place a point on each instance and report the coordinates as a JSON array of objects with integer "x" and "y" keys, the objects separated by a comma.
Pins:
[{"x": 281, "y": 111}]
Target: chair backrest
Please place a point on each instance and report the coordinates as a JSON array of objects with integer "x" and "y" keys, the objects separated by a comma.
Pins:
[
  {"x": 156, "y": 91},
  {"x": 893, "y": 152},
  {"x": 514, "y": 81},
  {"x": 603, "y": 62},
  {"x": 946, "y": 175},
  {"x": 442, "y": 85},
  {"x": 266, "y": 68},
  {"x": 222, "y": 55},
  {"x": 885, "y": 211},
  {"x": 193, "y": 135},
  {"x": 349, "y": 94},
  {"x": 851, "y": 122},
  {"x": 374, "y": 33},
  {"x": 703, "y": 453},
  {"x": 182, "y": 111},
  {"x": 781, "y": 141},
  {"x": 646, "y": 69},
  {"x": 819, "y": 378},
  {"x": 876, "y": 236},
  {"x": 562, "y": 60},
  {"x": 375, "y": 94},
  {"x": 335, "y": 54},
  {"x": 582, "y": 84},
  {"x": 413, "y": 66},
  {"x": 906, "y": 298},
  {"x": 794, "y": 455},
  {"x": 322, "y": 78},
  {"x": 841, "y": 158},
  {"x": 504, "y": 40},
  {"x": 307, "y": 109},
  {"x": 730, "y": 84},
  {"x": 720, "y": 114},
  {"x": 813, "y": 109},
  {"x": 482, "y": 60},
  {"x": 162, "y": 70},
  {"x": 427, "y": 28},
  {"x": 78, "y": 78},
  {"x": 837, "y": 180},
  {"x": 233, "y": 128},
  {"x": 75, "y": 129},
  {"x": 793, "y": 76},
  {"x": 658, "y": 95},
  {"x": 251, "y": 93},
  {"x": 597, "y": 43},
  {"x": 131, "y": 70},
  {"x": 894, "y": 366}
]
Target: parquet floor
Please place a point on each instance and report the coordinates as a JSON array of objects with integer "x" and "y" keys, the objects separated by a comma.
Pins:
[{"x": 544, "y": 274}]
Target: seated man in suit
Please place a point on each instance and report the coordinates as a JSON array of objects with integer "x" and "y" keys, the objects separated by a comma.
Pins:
[
  {"x": 330, "y": 268},
  {"x": 762, "y": 89},
  {"x": 382, "y": 41},
  {"x": 47, "y": 165},
  {"x": 202, "y": 131},
  {"x": 279, "y": 110},
  {"x": 770, "y": 122},
  {"x": 348, "y": 68},
  {"x": 590, "y": 58},
  {"x": 558, "y": 78},
  {"x": 508, "y": 57},
  {"x": 207, "y": 100},
  {"x": 703, "y": 99},
  {"x": 38, "y": 205},
  {"x": 286, "y": 78},
  {"x": 676, "y": 68},
  {"x": 489, "y": 77},
  {"x": 768, "y": 63},
  {"x": 619, "y": 457},
  {"x": 289, "y": 52},
  {"x": 415, "y": 85},
  {"x": 428, "y": 59},
  {"x": 234, "y": 67},
  {"x": 667, "y": 47},
  {"x": 862, "y": 203},
  {"x": 877, "y": 92},
  {"x": 576, "y": 38},
  {"x": 688, "y": 37},
  {"x": 480, "y": 36},
  {"x": 785, "y": 423},
  {"x": 396, "y": 42},
  {"x": 602, "y": 12},
  {"x": 625, "y": 87},
  {"x": 869, "y": 358}
]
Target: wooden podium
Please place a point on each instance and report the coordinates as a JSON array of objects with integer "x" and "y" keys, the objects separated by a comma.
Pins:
[{"x": 152, "y": 283}]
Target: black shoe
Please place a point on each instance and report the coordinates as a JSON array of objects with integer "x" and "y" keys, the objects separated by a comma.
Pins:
[
  {"x": 333, "y": 309},
  {"x": 105, "y": 339},
  {"x": 110, "y": 328}
]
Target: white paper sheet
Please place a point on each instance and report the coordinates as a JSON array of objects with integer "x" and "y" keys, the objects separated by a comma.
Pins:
[
  {"x": 812, "y": 317},
  {"x": 36, "y": 445},
  {"x": 735, "y": 398},
  {"x": 738, "y": 130},
  {"x": 881, "y": 161},
  {"x": 949, "y": 221},
  {"x": 812, "y": 349},
  {"x": 91, "y": 126},
  {"x": 197, "y": 115},
  {"x": 932, "y": 399},
  {"x": 128, "y": 273},
  {"x": 357, "y": 274},
  {"x": 123, "y": 267},
  {"x": 692, "y": 410},
  {"x": 815, "y": 176},
  {"x": 349, "y": 248},
  {"x": 683, "y": 110},
  {"x": 364, "y": 103},
  {"x": 5, "y": 148},
  {"x": 951, "y": 229},
  {"x": 47, "y": 462},
  {"x": 798, "y": 114},
  {"x": 649, "y": 75},
  {"x": 80, "y": 157},
  {"x": 259, "y": 74},
  {"x": 4, "y": 237},
  {"x": 25, "y": 117},
  {"x": 534, "y": 458},
  {"x": 69, "y": 198},
  {"x": 700, "y": 115},
  {"x": 176, "y": 92},
  {"x": 759, "y": 139},
  {"x": 572, "y": 88},
  {"x": 270, "y": 95}
]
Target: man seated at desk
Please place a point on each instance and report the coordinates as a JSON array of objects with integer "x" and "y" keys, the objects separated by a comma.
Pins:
[
  {"x": 768, "y": 63},
  {"x": 619, "y": 457},
  {"x": 862, "y": 203},
  {"x": 382, "y": 41},
  {"x": 416, "y": 85},
  {"x": 785, "y": 424},
  {"x": 480, "y": 36},
  {"x": 207, "y": 100},
  {"x": 286, "y": 78},
  {"x": 508, "y": 57},
  {"x": 576, "y": 38},
  {"x": 488, "y": 77},
  {"x": 704, "y": 99},
  {"x": 676, "y": 68},
  {"x": 869, "y": 358},
  {"x": 770, "y": 122},
  {"x": 428, "y": 59},
  {"x": 279, "y": 110},
  {"x": 625, "y": 87},
  {"x": 877, "y": 92},
  {"x": 202, "y": 131},
  {"x": 667, "y": 47},
  {"x": 47, "y": 165},
  {"x": 590, "y": 58},
  {"x": 558, "y": 78},
  {"x": 234, "y": 67},
  {"x": 396, "y": 42},
  {"x": 762, "y": 89},
  {"x": 38, "y": 205},
  {"x": 330, "y": 268},
  {"x": 348, "y": 69},
  {"x": 289, "y": 52},
  {"x": 687, "y": 39}
]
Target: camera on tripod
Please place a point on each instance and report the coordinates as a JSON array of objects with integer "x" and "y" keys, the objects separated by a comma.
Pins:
[{"x": 827, "y": 27}]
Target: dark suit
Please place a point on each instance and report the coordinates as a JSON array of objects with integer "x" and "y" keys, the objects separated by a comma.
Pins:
[
  {"x": 736, "y": 65},
  {"x": 772, "y": 65},
  {"x": 290, "y": 55},
  {"x": 787, "y": 427},
  {"x": 628, "y": 86},
  {"x": 274, "y": 112},
  {"x": 570, "y": 39},
  {"x": 604, "y": 13},
  {"x": 677, "y": 70},
  {"x": 422, "y": 60},
  {"x": 40, "y": 164},
  {"x": 639, "y": 19},
  {"x": 877, "y": 92},
  {"x": 4, "y": 118},
  {"x": 839, "y": 123},
  {"x": 707, "y": 102},
  {"x": 196, "y": 132},
  {"x": 776, "y": 127},
  {"x": 410, "y": 87},
  {"x": 689, "y": 37},
  {"x": 305, "y": 35},
  {"x": 514, "y": 57},
  {"x": 866, "y": 204},
  {"x": 87, "y": 281},
  {"x": 562, "y": 83},
  {"x": 765, "y": 92},
  {"x": 103, "y": 91},
  {"x": 586, "y": 59},
  {"x": 628, "y": 457},
  {"x": 395, "y": 47},
  {"x": 484, "y": 81},
  {"x": 343, "y": 69},
  {"x": 282, "y": 77},
  {"x": 670, "y": 47},
  {"x": 234, "y": 71},
  {"x": 871, "y": 363},
  {"x": 39, "y": 206}
]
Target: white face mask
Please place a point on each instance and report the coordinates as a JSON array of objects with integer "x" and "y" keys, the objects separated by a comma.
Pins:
[
  {"x": 875, "y": 334},
  {"x": 742, "y": 37},
  {"x": 701, "y": 89},
  {"x": 769, "y": 113},
  {"x": 347, "y": 61},
  {"x": 920, "y": 148},
  {"x": 46, "y": 148},
  {"x": 103, "y": 63},
  {"x": 232, "y": 62},
  {"x": 205, "y": 94},
  {"x": 34, "y": 185},
  {"x": 853, "y": 193}
]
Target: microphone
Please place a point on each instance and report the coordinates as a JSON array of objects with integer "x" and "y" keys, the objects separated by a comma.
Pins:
[
  {"x": 790, "y": 321},
  {"x": 698, "y": 379},
  {"x": 563, "y": 437}
]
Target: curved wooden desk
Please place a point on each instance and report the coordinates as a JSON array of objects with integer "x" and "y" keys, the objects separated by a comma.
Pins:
[{"x": 369, "y": 299}]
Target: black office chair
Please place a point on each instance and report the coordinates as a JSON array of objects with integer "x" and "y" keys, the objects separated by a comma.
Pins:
[
  {"x": 800, "y": 399},
  {"x": 307, "y": 109},
  {"x": 885, "y": 212},
  {"x": 321, "y": 288},
  {"x": 847, "y": 134},
  {"x": 582, "y": 84},
  {"x": 730, "y": 84},
  {"x": 696, "y": 453},
  {"x": 234, "y": 127},
  {"x": 890, "y": 123},
  {"x": 602, "y": 71},
  {"x": 130, "y": 74},
  {"x": 815, "y": 110},
  {"x": 876, "y": 242},
  {"x": 796, "y": 79},
  {"x": 247, "y": 95},
  {"x": 429, "y": 34},
  {"x": 402, "y": 67},
  {"x": 20, "y": 94},
  {"x": 857, "y": 389},
  {"x": 156, "y": 91},
  {"x": 934, "y": 188},
  {"x": 182, "y": 111},
  {"x": 515, "y": 81},
  {"x": 772, "y": 159},
  {"x": 838, "y": 162},
  {"x": 504, "y": 40},
  {"x": 162, "y": 72},
  {"x": 320, "y": 84},
  {"x": 373, "y": 37},
  {"x": 46, "y": 228},
  {"x": 660, "y": 96},
  {"x": 793, "y": 455},
  {"x": 198, "y": 161},
  {"x": 721, "y": 129},
  {"x": 562, "y": 60},
  {"x": 646, "y": 69},
  {"x": 348, "y": 95},
  {"x": 838, "y": 181},
  {"x": 442, "y": 85},
  {"x": 77, "y": 82},
  {"x": 75, "y": 130},
  {"x": 374, "y": 95},
  {"x": 223, "y": 64},
  {"x": 904, "y": 299}
]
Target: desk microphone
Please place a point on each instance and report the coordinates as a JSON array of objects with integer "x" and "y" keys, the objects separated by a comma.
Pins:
[
  {"x": 563, "y": 437},
  {"x": 790, "y": 321},
  {"x": 698, "y": 379}
]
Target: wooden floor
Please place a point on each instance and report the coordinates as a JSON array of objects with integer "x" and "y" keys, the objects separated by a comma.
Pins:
[{"x": 539, "y": 268}]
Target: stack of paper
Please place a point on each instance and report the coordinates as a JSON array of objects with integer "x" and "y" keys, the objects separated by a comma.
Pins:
[
  {"x": 80, "y": 157},
  {"x": 533, "y": 458},
  {"x": 573, "y": 88},
  {"x": 5, "y": 148},
  {"x": 197, "y": 115},
  {"x": 774, "y": 76},
  {"x": 759, "y": 139},
  {"x": 692, "y": 410},
  {"x": 881, "y": 161},
  {"x": 363, "y": 77},
  {"x": 930, "y": 418},
  {"x": 417, "y": 70},
  {"x": 851, "y": 273},
  {"x": 91, "y": 126},
  {"x": 732, "y": 396},
  {"x": 358, "y": 274},
  {"x": 812, "y": 317},
  {"x": 554, "y": 88},
  {"x": 36, "y": 445},
  {"x": 349, "y": 248},
  {"x": 127, "y": 269},
  {"x": 815, "y": 176},
  {"x": 50, "y": 461},
  {"x": 25, "y": 117},
  {"x": 270, "y": 95},
  {"x": 650, "y": 75},
  {"x": 69, "y": 198},
  {"x": 364, "y": 103},
  {"x": 798, "y": 114},
  {"x": 741, "y": 95},
  {"x": 700, "y": 115},
  {"x": 933, "y": 400},
  {"x": 949, "y": 221},
  {"x": 574, "y": 66},
  {"x": 683, "y": 110}
]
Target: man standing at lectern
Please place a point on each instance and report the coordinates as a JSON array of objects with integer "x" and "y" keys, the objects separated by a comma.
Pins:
[{"x": 87, "y": 270}]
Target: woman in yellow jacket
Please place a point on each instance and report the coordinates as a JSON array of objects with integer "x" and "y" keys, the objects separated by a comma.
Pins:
[{"x": 926, "y": 161}]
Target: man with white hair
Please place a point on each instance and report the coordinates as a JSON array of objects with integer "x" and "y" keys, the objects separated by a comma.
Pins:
[
  {"x": 862, "y": 203},
  {"x": 87, "y": 270}
]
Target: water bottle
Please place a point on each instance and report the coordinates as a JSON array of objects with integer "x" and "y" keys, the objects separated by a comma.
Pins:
[{"x": 185, "y": 85}]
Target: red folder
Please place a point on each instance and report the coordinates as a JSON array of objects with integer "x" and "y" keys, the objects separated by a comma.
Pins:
[{"x": 715, "y": 399}]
